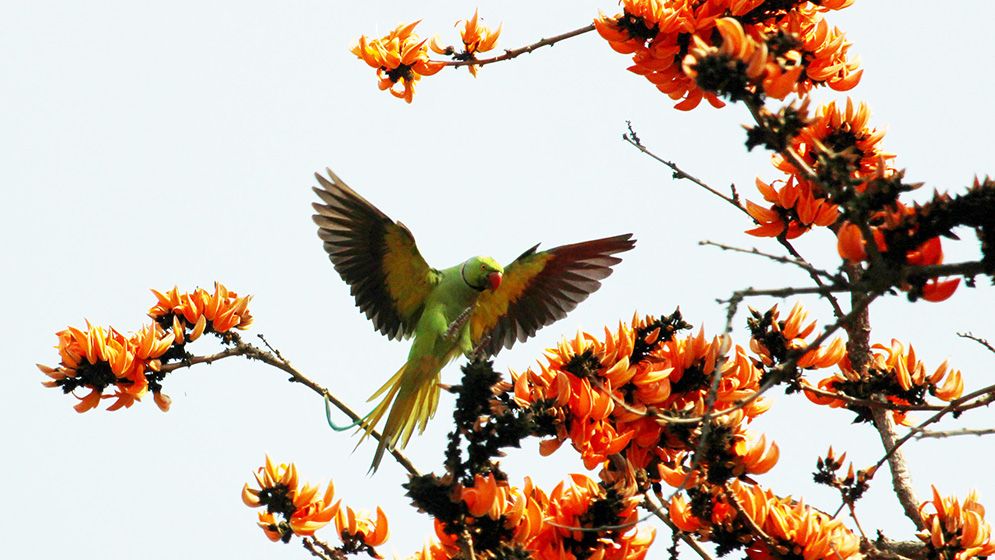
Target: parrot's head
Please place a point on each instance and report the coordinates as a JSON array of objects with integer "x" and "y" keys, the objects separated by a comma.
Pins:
[{"x": 482, "y": 273}]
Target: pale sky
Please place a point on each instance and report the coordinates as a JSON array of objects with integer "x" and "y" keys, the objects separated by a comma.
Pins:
[{"x": 145, "y": 145}]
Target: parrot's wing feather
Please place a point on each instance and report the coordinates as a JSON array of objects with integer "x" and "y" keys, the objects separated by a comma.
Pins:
[
  {"x": 542, "y": 287},
  {"x": 375, "y": 255}
]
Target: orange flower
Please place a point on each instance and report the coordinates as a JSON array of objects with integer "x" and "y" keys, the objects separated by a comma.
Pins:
[
  {"x": 753, "y": 454},
  {"x": 824, "y": 49},
  {"x": 290, "y": 510},
  {"x": 400, "y": 58},
  {"x": 806, "y": 532},
  {"x": 936, "y": 290},
  {"x": 742, "y": 63},
  {"x": 98, "y": 359},
  {"x": 437, "y": 549},
  {"x": 360, "y": 532},
  {"x": 680, "y": 514},
  {"x": 851, "y": 245},
  {"x": 477, "y": 38},
  {"x": 795, "y": 209},
  {"x": 897, "y": 373},
  {"x": 955, "y": 530},
  {"x": 773, "y": 339},
  {"x": 842, "y": 130},
  {"x": 487, "y": 497},
  {"x": 200, "y": 312}
]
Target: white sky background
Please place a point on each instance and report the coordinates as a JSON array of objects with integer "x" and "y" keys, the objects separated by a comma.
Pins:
[{"x": 146, "y": 145}]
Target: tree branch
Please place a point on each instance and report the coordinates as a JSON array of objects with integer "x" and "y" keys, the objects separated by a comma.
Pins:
[
  {"x": 274, "y": 359},
  {"x": 979, "y": 340},
  {"x": 901, "y": 481},
  {"x": 923, "y": 434},
  {"x": 510, "y": 54}
]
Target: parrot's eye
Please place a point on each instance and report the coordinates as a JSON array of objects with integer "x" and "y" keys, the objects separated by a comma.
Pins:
[{"x": 482, "y": 267}]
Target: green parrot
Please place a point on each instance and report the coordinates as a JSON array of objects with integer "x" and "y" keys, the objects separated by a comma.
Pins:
[{"x": 475, "y": 307}]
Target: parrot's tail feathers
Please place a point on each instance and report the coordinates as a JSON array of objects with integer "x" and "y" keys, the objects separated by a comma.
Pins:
[
  {"x": 412, "y": 395},
  {"x": 391, "y": 388},
  {"x": 392, "y": 382}
]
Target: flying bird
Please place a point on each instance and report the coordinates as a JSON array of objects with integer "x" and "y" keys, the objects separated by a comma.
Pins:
[{"x": 476, "y": 307}]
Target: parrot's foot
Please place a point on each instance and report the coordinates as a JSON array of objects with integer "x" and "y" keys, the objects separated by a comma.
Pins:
[
  {"x": 454, "y": 328},
  {"x": 478, "y": 351}
]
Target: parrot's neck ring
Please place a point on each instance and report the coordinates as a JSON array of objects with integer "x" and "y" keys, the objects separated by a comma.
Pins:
[{"x": 462, "y": 269}]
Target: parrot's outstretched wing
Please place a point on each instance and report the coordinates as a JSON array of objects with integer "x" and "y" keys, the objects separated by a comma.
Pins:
[
  {"x": 375, "y": 255},
  {"x": 542, "y": 287}
]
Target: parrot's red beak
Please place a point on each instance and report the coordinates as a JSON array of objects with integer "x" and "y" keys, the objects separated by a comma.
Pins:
[{"x": 495, "y": 280}]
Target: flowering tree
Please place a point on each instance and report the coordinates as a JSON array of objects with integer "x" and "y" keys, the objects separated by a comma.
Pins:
[{"x": 657, "y": 408}]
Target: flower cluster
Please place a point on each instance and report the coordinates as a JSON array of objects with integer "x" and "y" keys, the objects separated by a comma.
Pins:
[
  {"x": 896, "y": 373},
  {"x": 190, "y": 315},
  {"x": 852, "y": 246},
  {"x": 842, "y": 150},
  {"x": 359, "y": 532},
  {"x": 545, "y": 526},
  {"x": 955, "y": 530},
  {"x": 400, "y": 59},
  {"x": 731, "y": 516},
  {"x": 640, "y": 393},
  {"x": 103, "y": 359},
  {"x": 737, "y": 48},
  {"x": 291, "y": 509},
  {"x": 775, "y": 341},
  {"x": 851, "y": 486},
  {"x": 477, "y": 38},
  {"x": 99, "y": 359}
]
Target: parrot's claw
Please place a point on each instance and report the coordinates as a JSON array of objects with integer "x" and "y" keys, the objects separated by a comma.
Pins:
[{"x": 478, "y": 351}]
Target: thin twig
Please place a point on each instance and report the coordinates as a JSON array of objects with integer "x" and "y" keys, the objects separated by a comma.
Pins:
[
  {"x": 833, "y": 302},
  {"x": 321, "y": 549},
  {"x": 632, "y": 138},
  {"x": 923, "y": 434},
  {"x": 512, "y": 53},
  {"x": 853, "y": 515},
  {"x": 888, "y": 405},
  {"x": 793, "y": 260},
  {"x": 979, "y": 340},
  {"x": 194, "y": 360},
  {"x": 788, "y": 291}
]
